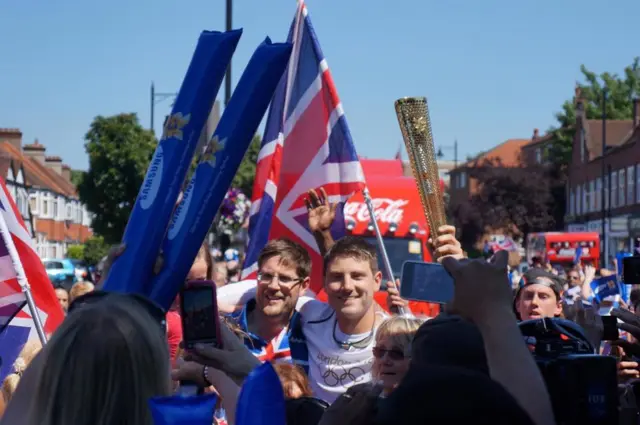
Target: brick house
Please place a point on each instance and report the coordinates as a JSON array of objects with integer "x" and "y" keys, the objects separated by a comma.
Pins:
[
  {"x": 462, "y": 186},
  {"x": 41, "y": 186},
  {"x": 535, "y": 152},
  {"x": 621, "y": 179}
]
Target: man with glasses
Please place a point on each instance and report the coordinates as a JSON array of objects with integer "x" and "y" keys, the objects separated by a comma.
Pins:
[{"x": 269, "y": 320}]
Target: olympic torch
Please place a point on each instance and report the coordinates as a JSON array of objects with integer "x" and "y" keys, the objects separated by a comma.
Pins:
[{"x": 413, "y": 117}]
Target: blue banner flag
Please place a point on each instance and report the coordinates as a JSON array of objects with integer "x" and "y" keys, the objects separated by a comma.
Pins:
[
  {"x": 213, "y": 175},
  {"x": 576, "y": 258},
  {"x": 605, "y": 287},
  {"x": 261, "y": 399},
  {"x": 177, "y": 409},
  {"x": 150, "y": 216}
]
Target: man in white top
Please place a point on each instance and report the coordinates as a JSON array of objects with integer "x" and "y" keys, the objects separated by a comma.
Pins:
[{"x": 340, "y": 335}]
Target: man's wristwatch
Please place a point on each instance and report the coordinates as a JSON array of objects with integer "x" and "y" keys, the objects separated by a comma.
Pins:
[{"x": 205, "y": 376}]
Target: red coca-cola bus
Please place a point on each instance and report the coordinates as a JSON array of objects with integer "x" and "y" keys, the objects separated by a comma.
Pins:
[{"x": 562, "y": 247}]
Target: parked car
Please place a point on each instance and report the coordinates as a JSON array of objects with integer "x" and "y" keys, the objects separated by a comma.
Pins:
[
  {"x": 62, "y": 273},
  {"x": 82, "y": 270}
]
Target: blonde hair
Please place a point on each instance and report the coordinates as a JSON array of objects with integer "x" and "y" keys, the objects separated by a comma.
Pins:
[
  {"x": 399, "y": 330},
  {"x": 101, "y": 367},
  {"x": 80, "y": 288},
  {"x": 10, "y": 383}
]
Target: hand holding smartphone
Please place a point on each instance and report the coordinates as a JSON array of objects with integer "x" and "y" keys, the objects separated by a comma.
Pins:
[
  {"x": 428, "y": 282},
  {"x": 199, "y": 314}
]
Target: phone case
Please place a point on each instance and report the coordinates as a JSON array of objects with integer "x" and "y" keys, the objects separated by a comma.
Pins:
[{"x": 195, "y": 284}]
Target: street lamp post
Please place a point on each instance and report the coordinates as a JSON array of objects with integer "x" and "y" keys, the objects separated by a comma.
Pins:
[
  {"x": 156, "y": 98},
  {"x": 227, "y": 81},
  {"x": 440, "y": 154}
]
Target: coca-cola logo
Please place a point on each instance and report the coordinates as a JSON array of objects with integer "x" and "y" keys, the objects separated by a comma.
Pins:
[{"x": 386, "y": 210}]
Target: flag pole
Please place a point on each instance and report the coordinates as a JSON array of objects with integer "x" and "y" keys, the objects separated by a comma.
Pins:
[
  {"x": 22, "y": 279},
  {"x": 381, "y": 248}
]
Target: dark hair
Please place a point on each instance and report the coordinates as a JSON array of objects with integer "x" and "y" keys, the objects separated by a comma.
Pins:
[
  {"x": 290, "y": 253},
  {"x": 352, "y": 247}
]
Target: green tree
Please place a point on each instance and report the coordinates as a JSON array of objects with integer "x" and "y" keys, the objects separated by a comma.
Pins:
[
  {"x": 75, "y": 252},
  {"x": 95, "y": 249},
  {"x": 119, "y": 150},
  {"x": 619, "y": 106},
  {"x": 76, "y": 177},
  {"x": 246, "y": 173}
]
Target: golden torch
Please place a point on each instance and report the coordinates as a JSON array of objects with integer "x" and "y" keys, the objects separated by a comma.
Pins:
[{"x": 413, "y": 117}]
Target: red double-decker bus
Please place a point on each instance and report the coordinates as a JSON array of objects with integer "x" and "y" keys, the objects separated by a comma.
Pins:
[{"x": 562, "y": 247}]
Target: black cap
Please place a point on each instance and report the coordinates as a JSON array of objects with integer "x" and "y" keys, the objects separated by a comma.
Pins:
[
  {"x": 536, "y": 276},
  {"x": 449, "y": 340}
]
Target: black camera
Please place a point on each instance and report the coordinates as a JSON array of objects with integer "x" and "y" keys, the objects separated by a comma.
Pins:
[{"x": 583, "y": 385}]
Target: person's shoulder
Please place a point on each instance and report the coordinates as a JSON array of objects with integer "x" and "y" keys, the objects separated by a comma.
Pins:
[{"x": 315, "y": 311}]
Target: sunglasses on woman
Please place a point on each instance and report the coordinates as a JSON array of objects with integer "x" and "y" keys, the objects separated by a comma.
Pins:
[
  {"x": 154, "y": 310},
  {"x": 379, "y": 353}
]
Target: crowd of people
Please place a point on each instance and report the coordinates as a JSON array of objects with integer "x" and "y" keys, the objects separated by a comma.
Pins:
[{"x": 348, "y": 357}]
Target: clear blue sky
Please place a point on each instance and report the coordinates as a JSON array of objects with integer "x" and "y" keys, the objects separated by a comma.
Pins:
[{"x": 492, "y": 69}]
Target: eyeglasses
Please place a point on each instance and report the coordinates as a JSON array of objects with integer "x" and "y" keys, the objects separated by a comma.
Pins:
[
  {"x": 154, "y": 310},
  {"x": 574, "y": 277},
  {"x": 379, "y": 353},
  {"x": 267, "y": 278}
]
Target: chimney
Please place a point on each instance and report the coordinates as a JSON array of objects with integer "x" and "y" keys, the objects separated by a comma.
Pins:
[
  {"x": 35, "y": 151},
  {"x": 636, "y": 111},
  {"x": 66, "y": 172},
  {"x": 13, "y": 136},
  {"x": 54, "y": 163},
  {"x": 535, "y": 134}
]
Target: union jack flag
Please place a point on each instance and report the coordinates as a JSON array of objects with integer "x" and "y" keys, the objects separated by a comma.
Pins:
[
  {"x": 306, "y": 145},
  {"x": 27, "y": 265}
]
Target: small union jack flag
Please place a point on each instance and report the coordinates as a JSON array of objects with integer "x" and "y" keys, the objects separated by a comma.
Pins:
[
  {"x": 25, "y": 264},
  {"x": 306, "y": 145}
]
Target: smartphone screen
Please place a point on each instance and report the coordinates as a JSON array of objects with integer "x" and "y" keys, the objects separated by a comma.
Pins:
[
  {"x": 631, "y": 270},
  {"x": 610, "y": 328},
  {"x": 199, "y": 312},
  {"x": 428, "y": 282}
]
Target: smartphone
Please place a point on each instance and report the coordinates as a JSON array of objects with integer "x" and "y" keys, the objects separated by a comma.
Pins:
[
  {"x": 199, "y": 314},
  {"x": 428, "y": 282},
  {"x": 631, "y": 270},
  {"x": 610, "y": 328}
]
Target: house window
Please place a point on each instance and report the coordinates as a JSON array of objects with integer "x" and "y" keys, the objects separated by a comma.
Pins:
[
  {"x": 69, "y": 211},
  {"x": 614, "y": 189},
  {"x": 578, "y": 200},
  {"x": 33, "y": 203},
  {"x": 599, "y": 194},
  {"x": 621, "y": 188},
  {"x": 463, "y": 180},
  {"x": 538, "y": 156},
  {"x": 631, "y": 187},
  {"x": 592, "y": 192},
  {"x": 587, "y": 197}
]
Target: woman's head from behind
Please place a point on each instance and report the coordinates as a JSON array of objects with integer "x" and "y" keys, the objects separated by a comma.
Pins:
[
  {"x": 101, "y": 366},
  {"x": 392, "y": 352}
]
